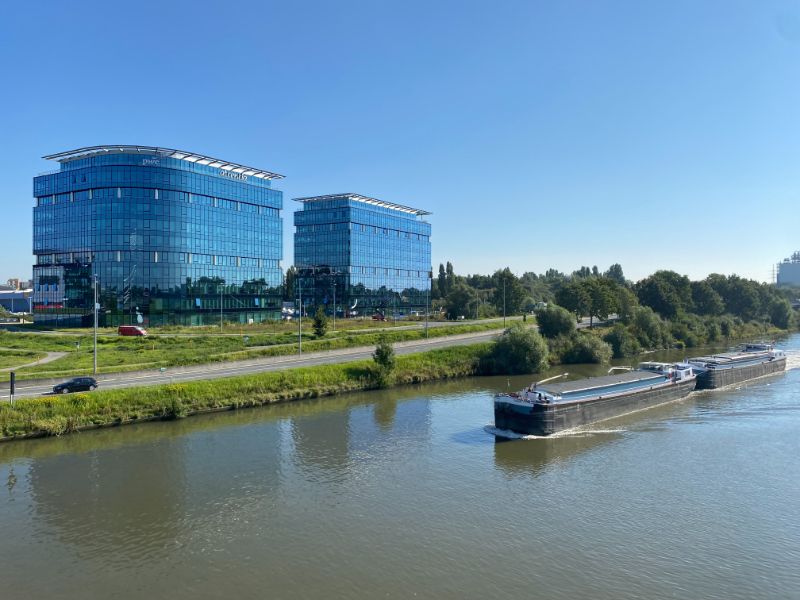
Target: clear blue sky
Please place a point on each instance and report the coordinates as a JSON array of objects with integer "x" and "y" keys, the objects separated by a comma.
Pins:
[{"x": 540, "y": 134}]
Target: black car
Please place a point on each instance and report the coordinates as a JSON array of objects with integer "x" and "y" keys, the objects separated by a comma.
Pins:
[{"x": 78, "y": 384}]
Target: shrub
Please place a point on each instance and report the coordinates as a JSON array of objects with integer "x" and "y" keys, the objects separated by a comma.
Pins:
[
  {"x": 519, "y": 350},
  {"x": 623, "y": 343},
  {"x": 649, "y": 329},
  {"x": 385, "y": 361},
  {"x": 554, "y": 321},
  {"x": 580, "y": 348},
  {"x": 320, "y": 322}
]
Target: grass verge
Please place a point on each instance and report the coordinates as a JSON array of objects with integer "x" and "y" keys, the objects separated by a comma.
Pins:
[{"x": 57, "y": 415}]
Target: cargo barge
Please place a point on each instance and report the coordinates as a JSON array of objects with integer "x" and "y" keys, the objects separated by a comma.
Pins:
[
  {"x": 728, "y": 368},
  {"x": 546, "y": 407}
]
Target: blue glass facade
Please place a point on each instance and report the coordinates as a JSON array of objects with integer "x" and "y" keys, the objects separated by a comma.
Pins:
[
  {"x": 376, "y": 254},
  {"x": 172, "y": 238}
]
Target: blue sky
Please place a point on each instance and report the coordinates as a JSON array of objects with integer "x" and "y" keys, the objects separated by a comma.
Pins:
[{"x": 540, "y": 134}]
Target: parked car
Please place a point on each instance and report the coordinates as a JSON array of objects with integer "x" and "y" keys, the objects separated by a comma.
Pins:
[
  {"x": 378, "y": 317},
  {"x": 77, "y": 384},
  {"x": 131, "y": 330}
]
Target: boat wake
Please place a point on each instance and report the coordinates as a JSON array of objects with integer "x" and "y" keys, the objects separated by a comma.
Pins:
[
  {"x": 792, "y": 360},
  {"x": 576, "y": 432}
]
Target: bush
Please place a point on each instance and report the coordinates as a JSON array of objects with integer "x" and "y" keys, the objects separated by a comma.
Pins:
[
  {"x": 554, "y": 321},
  {"x": 623, "y": 343},
  {"x": 320, "y": 322},
  {"x": 519, "y": 350},
  {"x": 385, "y": 361},
  {"x": 649, "y": 329},
  {"x": 580, "y": 348}
]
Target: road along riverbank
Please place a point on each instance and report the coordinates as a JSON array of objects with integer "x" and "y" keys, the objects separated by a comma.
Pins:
[{"x": 57, "y": 415}]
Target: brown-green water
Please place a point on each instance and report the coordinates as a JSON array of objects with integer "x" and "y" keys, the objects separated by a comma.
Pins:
[{"x": 403, "y": 494}]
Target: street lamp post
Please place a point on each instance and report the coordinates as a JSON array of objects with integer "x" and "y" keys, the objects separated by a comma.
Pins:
[
  {"x": 220, "y": 307},
  {"x": 334, "y": 303},
  {"x": 504, "y": 301},
  {"x": 300, "y": 318},
  {"x": 94, "y": 310}
]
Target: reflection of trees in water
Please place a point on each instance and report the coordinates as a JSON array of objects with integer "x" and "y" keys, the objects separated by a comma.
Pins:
[
  {"x": 532, "y": 457},
  {"x": 384, "y": 412}
]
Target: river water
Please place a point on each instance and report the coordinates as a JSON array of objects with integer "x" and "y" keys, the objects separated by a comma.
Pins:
[{"x": 403, "y": 494}]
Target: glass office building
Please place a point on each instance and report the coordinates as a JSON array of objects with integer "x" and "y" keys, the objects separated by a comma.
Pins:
[
  {"x": 172, "y": 237},
  {"x": 374, "y": 256}
]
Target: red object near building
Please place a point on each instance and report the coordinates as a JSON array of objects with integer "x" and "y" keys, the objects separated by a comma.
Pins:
[{"x": 131, "y": 330}]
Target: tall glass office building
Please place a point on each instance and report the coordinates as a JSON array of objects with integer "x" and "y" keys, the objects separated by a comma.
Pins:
[
  {"x": 172, "y": 237},
  {"x": 374, "y": 256}
]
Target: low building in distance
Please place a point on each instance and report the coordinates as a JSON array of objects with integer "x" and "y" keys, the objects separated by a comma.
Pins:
[
  {"x": 789, "y": 271},
  {"x": 173, "y": 237},
  {"x": 373, "y": 256}
]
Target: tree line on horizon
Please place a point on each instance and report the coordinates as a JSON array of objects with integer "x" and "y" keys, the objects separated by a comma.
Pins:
[{"x": 658, "y": 311}]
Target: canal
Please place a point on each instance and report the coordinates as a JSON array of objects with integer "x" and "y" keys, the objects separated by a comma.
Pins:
[{"x": 402, "y": 493}]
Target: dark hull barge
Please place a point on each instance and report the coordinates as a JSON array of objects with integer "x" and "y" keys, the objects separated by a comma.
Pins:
[
  {"x": 547, "y": 408},
  {"x": 754, "y": 360}
]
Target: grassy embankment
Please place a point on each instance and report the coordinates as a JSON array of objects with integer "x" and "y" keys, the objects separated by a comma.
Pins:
[
  {"x": 119, "y": 354},
  {"x": 57, "y": 415},
  {"x": 12, "y": 358}
]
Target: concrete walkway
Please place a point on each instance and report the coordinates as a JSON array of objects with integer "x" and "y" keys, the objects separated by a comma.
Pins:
[{"x": 49, "y": 357}]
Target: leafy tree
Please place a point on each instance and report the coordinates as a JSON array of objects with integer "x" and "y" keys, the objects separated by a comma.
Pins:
[
  {"x": 519, "y": 350},
  {"x": 602, "y": 298},
  {"x": 627, "y": 302},
  {"x": 508, "y": 289},
  {"x": 289, "y": 283},
  {"x": 385, "y": 361},
  {"x": 615, "y": 274},
  {"x": 742, "y": 298},
  {"x": 706, "y": 300},
  {"x": 623, "y": 343},
  {"x": 442, "y": 281},
  {"x": 781, "y": 313},
  {"x": 450, "y": 277},
  {"x": 650, "y": 331},
  {"x": 579, "y": 348},
  {"x": 574, "y": 297},
  {"x": 320, "y": 322},
  {"x": 461, "y": 301},
  {"x": 666, "y": 292},
  {"x": 554, "y": 321}
]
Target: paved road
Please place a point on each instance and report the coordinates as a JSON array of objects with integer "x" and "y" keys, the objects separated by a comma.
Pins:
[
  {"x": 48, "y": 357},
  {"x": 259, "y": 365}
]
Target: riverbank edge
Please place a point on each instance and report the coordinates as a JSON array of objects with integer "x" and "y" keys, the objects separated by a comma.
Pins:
[
  {"x": 59, "y": 415},
  {"x": 311, "y": 344}
]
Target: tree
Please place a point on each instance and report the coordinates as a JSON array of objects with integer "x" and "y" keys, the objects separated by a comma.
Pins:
[
  {"x": 442, "y": 281},
  {"x": 781, "y": 313},
  {"x": 289, "y": 283},
  {"x": 554, "y": 321},
  {"x": 461, "y": 301},
  {"x": 623, "y": 343},
  {"x": 385, "y": 361},
  {"x": 450, "y": 277},
  {"x": 666, "y": 292},
  {"x": 509, "y": 291},
  {"x": 706, "y": 300},
  {"x": 519, "y": 350},
  {"x": 626, "y": 303},
  {"x": 574, "y": 297},
  {"x": 615, "y": 274},
  {"x": 602, "y": 298},
  {"x": 320, "y": 322}
]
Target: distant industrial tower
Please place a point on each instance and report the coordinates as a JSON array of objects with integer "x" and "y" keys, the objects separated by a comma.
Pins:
[{"x": 789, "y": 271}]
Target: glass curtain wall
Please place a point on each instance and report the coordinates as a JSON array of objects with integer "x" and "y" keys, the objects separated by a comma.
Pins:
[{"x": 170, "y": 242}]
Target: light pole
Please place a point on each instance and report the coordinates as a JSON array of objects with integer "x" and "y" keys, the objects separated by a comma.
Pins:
[
  {"x": 504, "y": 301},
  {"x": 220, "y": 307},
  {"x": 427, "y": 301},
  {"x": 300, "y": 318},
  {"x": 334, "y": 302},
  {"x": 94, "y": 310}
]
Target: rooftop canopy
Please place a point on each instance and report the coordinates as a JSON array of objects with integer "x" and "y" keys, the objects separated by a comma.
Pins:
[
  {"x": 191, "y": 157},
  {"x": 365, "y": 200}
]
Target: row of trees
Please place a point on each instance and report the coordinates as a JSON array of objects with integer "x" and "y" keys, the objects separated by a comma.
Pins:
[{"x": 590, "y": 292}]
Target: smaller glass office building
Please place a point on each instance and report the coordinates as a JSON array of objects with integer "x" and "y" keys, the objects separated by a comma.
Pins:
[
  {"x": 171, "y": 237},
  {"x": 373, "y": 256}
]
